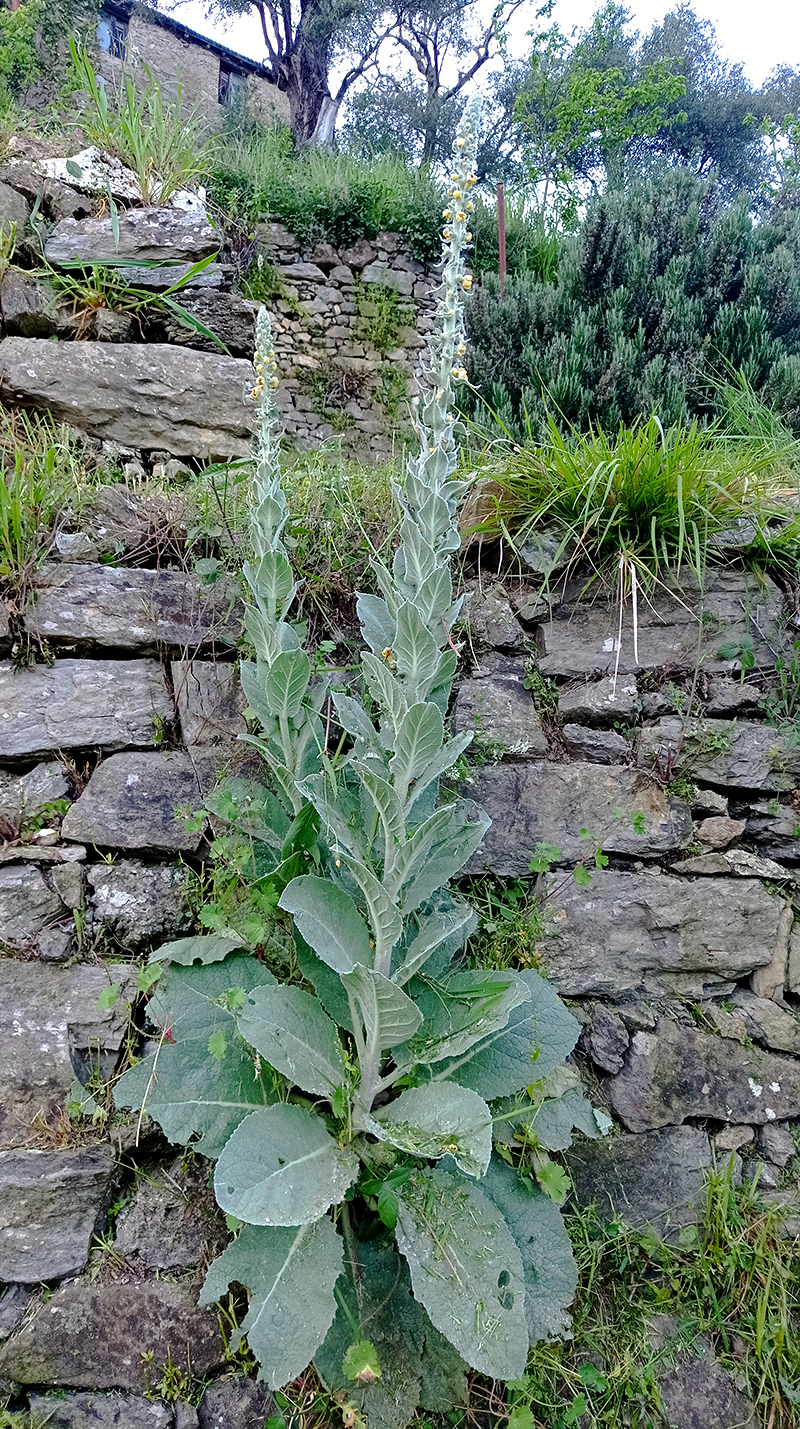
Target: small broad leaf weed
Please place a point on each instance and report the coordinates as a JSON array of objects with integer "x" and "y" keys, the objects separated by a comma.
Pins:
[{"x": 380, "y": 1133}]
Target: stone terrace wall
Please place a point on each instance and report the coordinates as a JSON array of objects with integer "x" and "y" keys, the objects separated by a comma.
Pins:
[{"x": 349, "y": 327}]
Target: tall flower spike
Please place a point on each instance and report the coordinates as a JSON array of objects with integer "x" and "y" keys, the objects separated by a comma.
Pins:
[
  {"x": 278, "y": 687},
  {"x": 429, "y": 496}
]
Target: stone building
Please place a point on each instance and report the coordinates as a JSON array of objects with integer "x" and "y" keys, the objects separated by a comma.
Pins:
[{"x": 210, "y": 76}]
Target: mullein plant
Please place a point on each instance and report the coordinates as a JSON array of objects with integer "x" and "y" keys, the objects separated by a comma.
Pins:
[{"x": 380, "y": 1133}]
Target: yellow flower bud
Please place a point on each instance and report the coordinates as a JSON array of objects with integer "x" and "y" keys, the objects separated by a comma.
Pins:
[
  {"x": 445, "y": 213},
  {"x": 456, "y": 193},
  {"x": 470, "y": 206},
  {"x": 468, "y": 237},
  {"x": 274, "y": 382},
  {"x": 460, "y": 143},
  {"x": 463, "y": 374},
  {"x": 461, "y": 217},
  {"x": 462, "y": 347},
  {"x": 447, "y": 234},
  {"x": 466, "y": 283}
]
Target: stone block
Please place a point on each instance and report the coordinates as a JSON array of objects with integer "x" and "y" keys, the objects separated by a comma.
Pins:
[
  {"x": 51, "y": 1028},
  {"x": 645, "y": 932},
  {"x": 140, "y": 395},
  {"x": 110, "y": 326},
  {"x": 767, "y": 1022},
  {"x": 598, "y": 702},
  {"x": 386, "y": 276},
  {"x": 719, "y": 831},
  {"x": 236, "y": 1403},
  {"x": 50, "y": 1206},
  {"x": 131, "y": 609},
  {"x": 696, "y": 1392},
  {"x": 733, "y": 862},
  {"x": 581, "y": 639},
  {"x": 99, "y": 1411},
  {"x": 139, "y": 235},
  {"x": 301, "y": 272},
  {"x": 139, "y": 903},
  {"x": 23, "y": 796},
  {"x": 732, "y": 754},
  {"x": 27, "y": 307},
  {"x": 81, "y": 704},
  {"x": 358, "y": 255},
  {"x": 776, "y": 1143},
  {"x": 130, "y": 802},
  {"x": 495, "y": 704},
  {"x": 14, "y": 208},
  {"x": 210, "y": 701},
  {"x": 492, "y": 622},
  {"x": 97, "y": 1337},
  {"x": 173, "y": 1222},
  {"x": 597, "y": 746},
  {"x": 551, "y": 803},
  {"x": 654, "y": 1182},
  {"x": 230, "y": 317},
  {"x": 678, "y": 1072},
  {"x": 13, "y": 1304},
  {"x": 144, "y": 525},
  {"x": 606, "y": 1039},
  {"x": 28, "y": 906}
]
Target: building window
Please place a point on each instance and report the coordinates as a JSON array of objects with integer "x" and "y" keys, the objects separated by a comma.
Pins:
[
  {"x": 112, "y": 35},
  {"x": 232, "y": 85}
]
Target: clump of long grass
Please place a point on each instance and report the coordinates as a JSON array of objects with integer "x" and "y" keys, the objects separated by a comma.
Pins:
[
  {"x": 652, "y": 500},
  {"x": 43, "y": 470}
]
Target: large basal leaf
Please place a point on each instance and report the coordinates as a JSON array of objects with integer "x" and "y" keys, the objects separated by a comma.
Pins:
[
  {"x": 329, "y": 921},
  {"x": 551, "y": 1275},
  {"x": 377, "y": 1306},
  {"x": 419, "y": 739},
  {"x": 198, "y": 1096},
  {"x": 388, "y": 1015},
  {"x": 466, "y": 1270},
  {"x": 289, "y": 1029},
  {"x": 286, "y": 682},
  {"x": 290, "y": 1272},
  {"x": 440, "y": 1119},
  {"x": 458, "y": 1011},
  {"x": 538, "y": 1036},
  {"x": 207, "y": 948},
  {"x": 281, "y": 1168}
]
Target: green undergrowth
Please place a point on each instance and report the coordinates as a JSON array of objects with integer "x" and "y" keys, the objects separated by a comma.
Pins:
[
  {"x": 735, "y": 1279},
  {"x": 646, "y": 500}
]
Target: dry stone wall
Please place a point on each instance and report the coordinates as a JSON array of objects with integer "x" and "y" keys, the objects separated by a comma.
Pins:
[{"x": 681, "y": 959}]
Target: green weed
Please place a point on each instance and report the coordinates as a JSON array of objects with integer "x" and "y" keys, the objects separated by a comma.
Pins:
[{"x": 509, "y": 923}]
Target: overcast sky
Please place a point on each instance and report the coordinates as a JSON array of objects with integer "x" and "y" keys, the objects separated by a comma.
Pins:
[{"x": 760, "y": 35}]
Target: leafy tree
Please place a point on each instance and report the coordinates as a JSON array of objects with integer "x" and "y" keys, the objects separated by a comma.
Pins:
[{"x": 662, "y": 290}]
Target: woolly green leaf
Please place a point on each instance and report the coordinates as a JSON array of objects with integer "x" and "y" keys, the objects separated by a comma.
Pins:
[
  {"x": 196, "y": 1098},
  {"x": 353, "y": 719},
  {"x": 436, "y": 851},
  {"x": 289, "y": 1029},
  {"x": 435, "y": 929},
  {"x": 418, "y": 741},
  {"x": 377, "y": 625},
  {"x": 290, "y": 1273},
  {"x": 286, "y": 683},
  {"x": 435, "y": 597},
  {"x": 458, "y": 1011},
  {"x": 466, "y": 1270},
  {"x": 439, "y": 1120},
  {"x": 443, "y": 1380},
  {"x": 384, "y": 687},
  {"x": 539, "y": 1035},
  {"x": 210, "y": 948},
  {"x": 551, "y": 1275},
  {"x": 281, "y": 1168},
  {"x": 441, "y": 762},
  {"x": 387, "y": 805},
  {"x": 415, "y": 651},
  {"x": 388, "y": 1015},
  {"x": 387, "y": 923},
  {"x": 271, "y": 577},
  {"x": 329, "y": 921}
]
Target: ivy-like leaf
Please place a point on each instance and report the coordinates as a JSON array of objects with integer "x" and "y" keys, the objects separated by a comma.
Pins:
[
  {"x": 551, "y": 1275},
  {"x": 329, "y": 921},
  {"x": 207, "y": 948},
  {"x": 290, "y": 1273},
  {"x": 281, "y": 1168},
  {"x": 539, "y": 1035},
  {"x": 196, "y": 1098},
  {"x": 388, "y": 1015},
  {"x": 441, "y": 1119},
  {"x": 289, "y": 1029},
  {"x": 466, "y": 1270}
]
